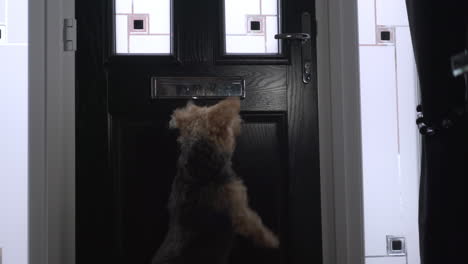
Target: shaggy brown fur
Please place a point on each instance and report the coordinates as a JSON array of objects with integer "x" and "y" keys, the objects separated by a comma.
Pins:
[{"x": 208, "y": 203}]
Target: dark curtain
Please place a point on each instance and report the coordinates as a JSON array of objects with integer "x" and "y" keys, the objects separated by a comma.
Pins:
[{"x": 439, "y": 31}]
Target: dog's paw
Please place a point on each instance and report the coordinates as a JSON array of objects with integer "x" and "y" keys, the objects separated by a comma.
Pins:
[{"x": 269, "y": 240}]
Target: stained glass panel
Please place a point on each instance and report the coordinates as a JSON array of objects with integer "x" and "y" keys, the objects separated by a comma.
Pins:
[
  {"x": 143, "y": 26},
  {"x": 250, "y": 26}
]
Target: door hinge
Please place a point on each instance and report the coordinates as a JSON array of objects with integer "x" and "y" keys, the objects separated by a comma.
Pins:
[{"x": 69, "y": 34}]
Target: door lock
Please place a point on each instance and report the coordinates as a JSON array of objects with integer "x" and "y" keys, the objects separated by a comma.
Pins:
[{"x": 306, "y": 49}]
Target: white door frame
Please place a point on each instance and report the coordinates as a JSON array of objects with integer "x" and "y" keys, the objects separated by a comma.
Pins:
[
  {"x": 340, "y": 132},
  {"x": 52, "y": 134}
]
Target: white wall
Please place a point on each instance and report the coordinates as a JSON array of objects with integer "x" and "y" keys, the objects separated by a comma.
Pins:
[
  {"x": 13, "y": 130},
  {"x": 389, "y": 135}
]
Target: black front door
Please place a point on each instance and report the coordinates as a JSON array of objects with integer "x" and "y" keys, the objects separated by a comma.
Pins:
[{"x": 126, "y": 154}]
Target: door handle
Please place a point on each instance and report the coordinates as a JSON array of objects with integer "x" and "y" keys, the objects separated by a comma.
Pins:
[{"x": 306, "y": 49}]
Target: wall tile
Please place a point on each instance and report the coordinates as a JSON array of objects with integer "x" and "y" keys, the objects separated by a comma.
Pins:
[
  {"x": 409, "y": 136},
  {"x": 387, "y": 260},
  {"x": 391, "y": 12},
  {"x": 366, "y": 10},
  {"x": 14, "y": 153},
  {"x": 380, "y": 147},
  {"x": 390, "y": 148},
  {"x": 17, "y": 24},
  {"x": 2, "y": 11}
]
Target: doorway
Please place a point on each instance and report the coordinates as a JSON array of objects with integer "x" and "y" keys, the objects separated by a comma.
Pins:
[{"x": 130, "y": 54}]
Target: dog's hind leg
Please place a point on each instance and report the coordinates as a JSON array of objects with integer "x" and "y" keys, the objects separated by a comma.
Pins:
[{"x": 246, "y": 221}]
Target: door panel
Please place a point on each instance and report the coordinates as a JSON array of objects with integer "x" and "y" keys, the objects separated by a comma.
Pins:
[
  {"x": 144, "y": 155},
  {"x": 143, "y": 151},
  {"x": 126, "y": 154}
]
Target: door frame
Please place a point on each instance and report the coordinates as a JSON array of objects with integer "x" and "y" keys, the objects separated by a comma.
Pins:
[
  {"x": 51, "y": 150},
  {"x": 52, "y": 134},
  {"x": 340, "y": 132}
]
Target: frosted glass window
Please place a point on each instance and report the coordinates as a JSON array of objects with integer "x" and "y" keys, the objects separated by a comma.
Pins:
[
  {"x": 251, "y": 26},
  {"x": 143, "y": 26}
]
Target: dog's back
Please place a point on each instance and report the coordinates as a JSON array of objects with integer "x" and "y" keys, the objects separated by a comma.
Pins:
[{"x": 200, "y": 228}]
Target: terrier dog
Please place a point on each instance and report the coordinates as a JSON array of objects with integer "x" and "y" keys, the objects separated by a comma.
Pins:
[{"x": 208, "y": 204}]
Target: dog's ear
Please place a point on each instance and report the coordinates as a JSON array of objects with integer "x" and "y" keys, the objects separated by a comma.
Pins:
[
  {"x": 190, "y": 105},
  {"x": 225, "y": 112},
  {"x": 176, "y": 119},
  {"x": 181, "y": 115}
]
